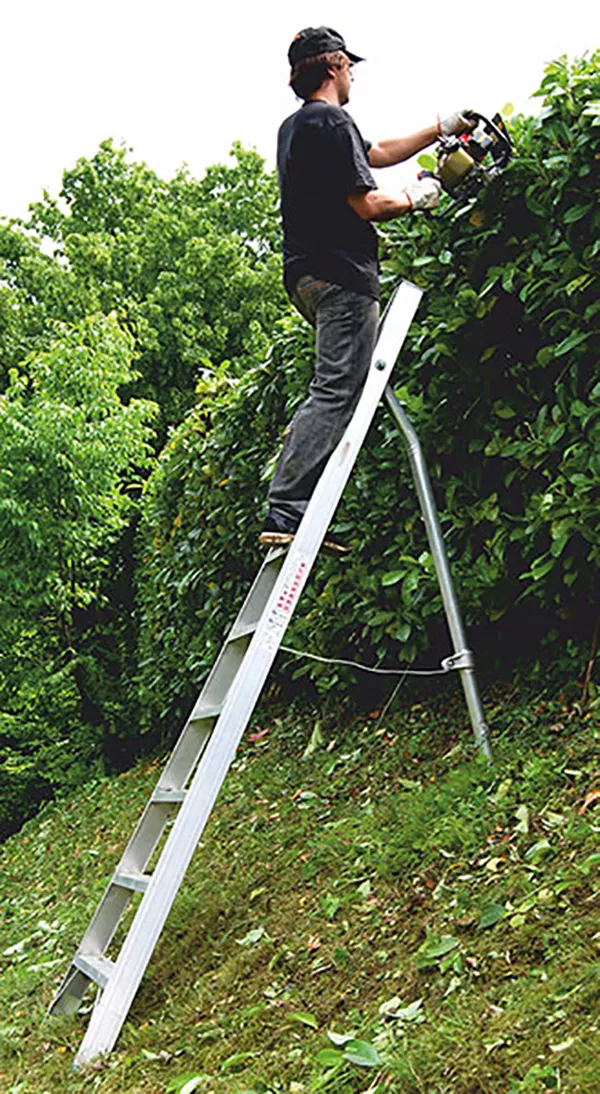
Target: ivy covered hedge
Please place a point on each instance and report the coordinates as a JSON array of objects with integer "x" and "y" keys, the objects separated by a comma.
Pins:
[{"x": 499, "y": 377}]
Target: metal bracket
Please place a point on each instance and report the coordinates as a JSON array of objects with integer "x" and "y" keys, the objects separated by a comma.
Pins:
[{"x": 462, "y": 660}]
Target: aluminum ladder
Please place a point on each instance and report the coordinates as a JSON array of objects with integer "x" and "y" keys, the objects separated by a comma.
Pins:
[{"x": 191, "y": 780}]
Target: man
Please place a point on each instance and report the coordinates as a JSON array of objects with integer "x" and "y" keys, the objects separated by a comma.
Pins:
[{"x": 329, "y": 200}]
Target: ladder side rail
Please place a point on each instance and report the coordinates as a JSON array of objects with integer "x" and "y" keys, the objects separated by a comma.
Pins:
[
  {"x": 156, "y": 815},
  {"x": 111, "y": 1009},
  {"x": 111, "y": 907},
  {"x": 442, "y": 569},
  {"x": 249, "y": 614}
]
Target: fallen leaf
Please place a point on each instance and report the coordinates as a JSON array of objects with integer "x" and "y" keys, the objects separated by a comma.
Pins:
[
  {"x": 320, "y": 968},
  {"x": 490, "y": 1046},
  {"x": 522, "y": 816},
  {"x": 252, "y": 937},
  {"x": 362, "y": 1053},
  {"x": 304, "y": 1018},
  {"x": 317, "y": 740},
  {"x": 429, "y": 953},
  {"x": 258, "y": 736},
  {"x": 339, "y": 1039},
  {"x": 328, "y": 1057},
  {"x": 494, "y": 864},
  {"x": 191, "y": 1084},
  {"x": 590, "y": 799},
  {"x": 490, "y": 915},
  {"x": 563, "y": 1046},
  {"x": 394, "y": 1009}
]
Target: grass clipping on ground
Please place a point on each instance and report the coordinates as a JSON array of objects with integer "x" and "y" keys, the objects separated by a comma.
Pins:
[{"x": 375, "y": 912}]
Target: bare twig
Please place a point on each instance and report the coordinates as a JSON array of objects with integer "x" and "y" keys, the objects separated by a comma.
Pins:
[{"x": 590, "y": 666}]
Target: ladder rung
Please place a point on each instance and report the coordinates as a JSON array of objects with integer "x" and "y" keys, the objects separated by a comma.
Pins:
[
  {"x": 163, "y": 795},
  {"x": 241, "y": 632},
  {"x": 95, "y": 966},
  {"x": 138, "y": 883},
  {"x": 203, "y": 715}
]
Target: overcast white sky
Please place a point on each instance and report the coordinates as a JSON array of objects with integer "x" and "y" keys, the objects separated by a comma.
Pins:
[{"x": 178, "y": 82}]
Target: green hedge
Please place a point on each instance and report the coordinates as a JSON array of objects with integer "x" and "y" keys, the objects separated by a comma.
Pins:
[{"x": 499, "y": 378}]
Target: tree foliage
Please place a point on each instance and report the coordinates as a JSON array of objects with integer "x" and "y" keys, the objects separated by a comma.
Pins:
[
  {"x": 186, "y": 275},
  {"x": 72, "y": 453},
  {"x": 69, "y": 445},
  {"x": 192, "y": 264}
]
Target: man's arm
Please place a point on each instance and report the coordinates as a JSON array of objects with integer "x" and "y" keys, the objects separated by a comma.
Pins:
[
  {"x": 397, "y": 149},
  {"x": 388, "y": 153},
  {"x": 373, "y": 205}
]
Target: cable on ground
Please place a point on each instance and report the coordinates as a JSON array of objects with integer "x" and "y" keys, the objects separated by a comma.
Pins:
[{"x": 365, "y": 668}]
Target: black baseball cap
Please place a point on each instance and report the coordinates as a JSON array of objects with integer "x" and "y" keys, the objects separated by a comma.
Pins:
[{"x": 315, "y": 40}]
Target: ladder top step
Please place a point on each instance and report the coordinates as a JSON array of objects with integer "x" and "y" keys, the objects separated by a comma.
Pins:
[
  {"x": 138, "y": 883},
  {"x": 94, "y": 965},
  {"x": 276, "y": 552}
]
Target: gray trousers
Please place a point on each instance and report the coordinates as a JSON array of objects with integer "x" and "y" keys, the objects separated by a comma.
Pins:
[{"x": 346, "y": 326}]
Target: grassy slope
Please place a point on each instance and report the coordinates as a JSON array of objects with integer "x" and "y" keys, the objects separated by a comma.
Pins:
[{"x": 344, "y": 865}]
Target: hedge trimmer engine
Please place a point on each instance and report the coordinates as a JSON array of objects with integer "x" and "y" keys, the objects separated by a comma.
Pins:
[{"x": 467, "y": 162}]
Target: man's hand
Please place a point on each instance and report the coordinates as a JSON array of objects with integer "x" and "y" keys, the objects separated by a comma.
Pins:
[
  {"x": 455, "y": 124},
  {"x": 424, "y": 194}
]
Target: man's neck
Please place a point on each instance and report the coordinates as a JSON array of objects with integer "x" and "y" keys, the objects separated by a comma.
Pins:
[{"x": 327, "y": 93}]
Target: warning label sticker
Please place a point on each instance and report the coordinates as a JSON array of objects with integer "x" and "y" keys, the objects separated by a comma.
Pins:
[{"x": 281, "y": 613}]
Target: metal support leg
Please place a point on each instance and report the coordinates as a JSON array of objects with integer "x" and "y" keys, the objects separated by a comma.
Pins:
[{"x": 442, "y": 569}]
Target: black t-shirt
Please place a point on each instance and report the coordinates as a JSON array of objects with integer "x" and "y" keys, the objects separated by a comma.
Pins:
[{"x": 321, "y": 158}]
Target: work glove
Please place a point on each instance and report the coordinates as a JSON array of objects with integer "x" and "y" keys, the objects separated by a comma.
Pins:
[
  {"x": 455, "y": 124},
  {"x": 424, "y": 194}
]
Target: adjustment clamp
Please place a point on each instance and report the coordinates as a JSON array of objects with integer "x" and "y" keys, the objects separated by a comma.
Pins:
[{"x": 462, "y": 660}]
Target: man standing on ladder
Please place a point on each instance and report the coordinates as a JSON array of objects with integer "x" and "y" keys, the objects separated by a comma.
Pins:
[{"x": 328, "y": 200}]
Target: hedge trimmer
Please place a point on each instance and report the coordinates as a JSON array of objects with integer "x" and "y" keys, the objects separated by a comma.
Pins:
[{"x": 467, "y": 162}]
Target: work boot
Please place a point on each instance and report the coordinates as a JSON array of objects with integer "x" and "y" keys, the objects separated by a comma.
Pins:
[{"x": 279, "y": 529}]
